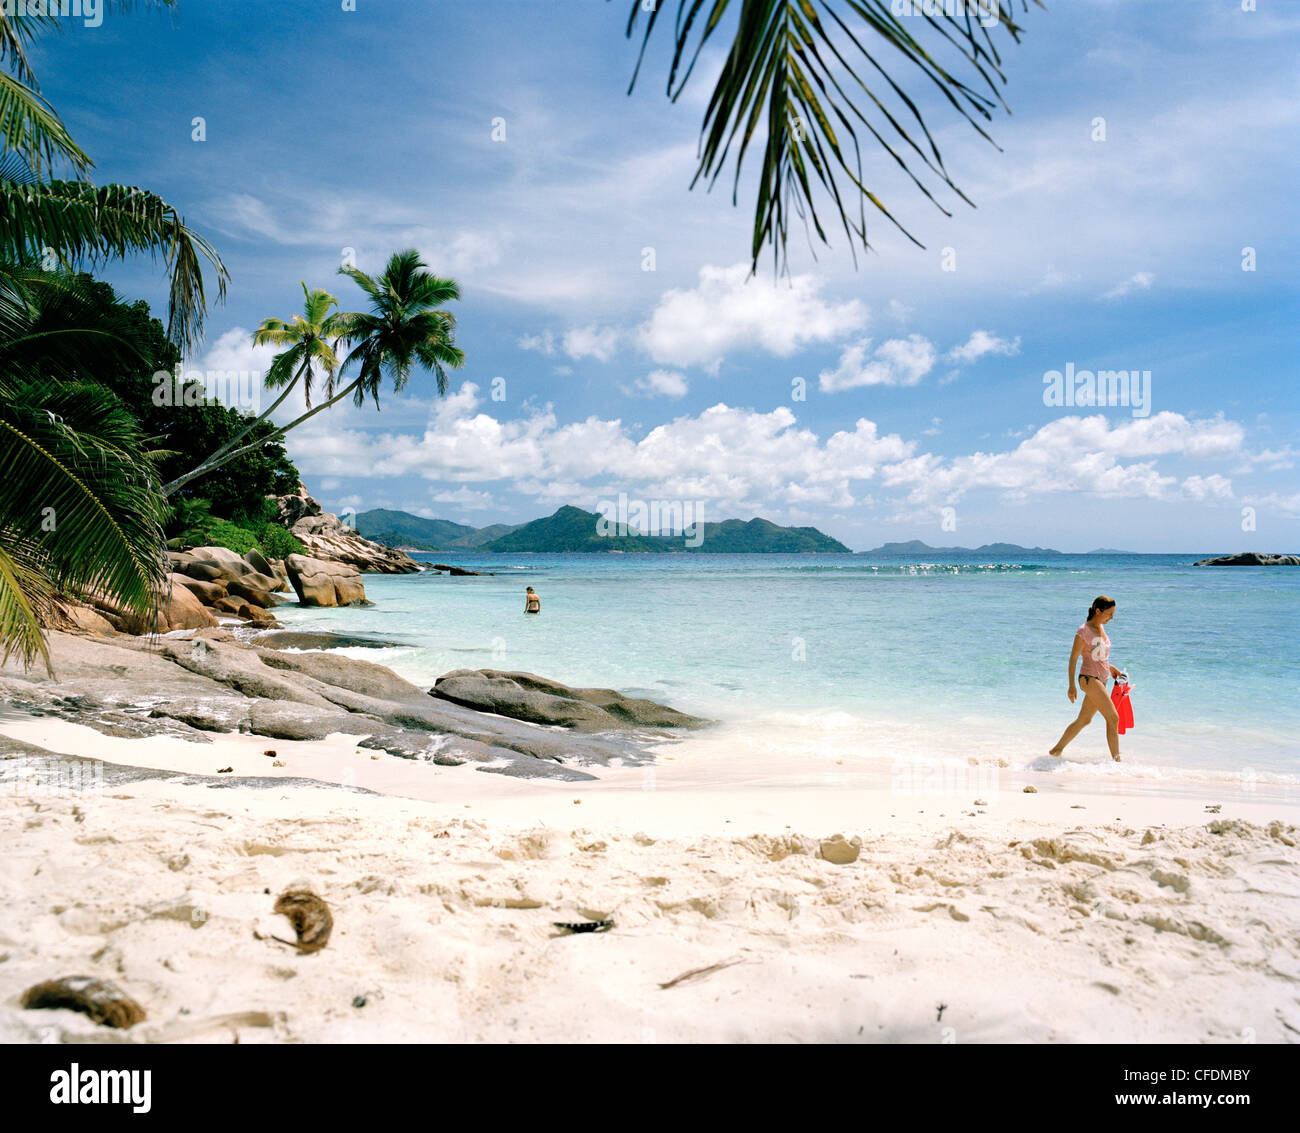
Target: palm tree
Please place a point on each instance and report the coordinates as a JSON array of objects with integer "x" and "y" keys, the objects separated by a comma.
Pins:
[
  {"x": 311, "y": 339},
  {"x": 405, "y": 328},
  {"x": 77, "y": 220},
  {"x": 80, "y": 509},
  {"x": 791, "y": 64}
]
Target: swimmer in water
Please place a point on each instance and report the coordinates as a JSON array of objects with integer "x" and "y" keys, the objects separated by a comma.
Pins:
[{"x": 532, "y": 603}]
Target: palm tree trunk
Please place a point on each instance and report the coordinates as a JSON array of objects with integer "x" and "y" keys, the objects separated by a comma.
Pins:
[
  {"x": 261, "y": 417},
  {"x": 216, "y": 460}
]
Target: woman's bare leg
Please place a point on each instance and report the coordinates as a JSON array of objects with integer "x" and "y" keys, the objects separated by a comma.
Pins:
[
  {"x": 1086, "y": 712},
  {"x": 1096, "y": 696}
]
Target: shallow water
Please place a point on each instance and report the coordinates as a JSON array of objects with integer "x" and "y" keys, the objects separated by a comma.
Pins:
[{"x": 876, "y": 659}]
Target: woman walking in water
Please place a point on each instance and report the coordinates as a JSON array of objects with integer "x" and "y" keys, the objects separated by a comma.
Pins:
[{"x": 1092, "y": 644}]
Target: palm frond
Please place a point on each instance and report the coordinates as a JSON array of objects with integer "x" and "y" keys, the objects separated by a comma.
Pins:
[
  {"x": 75, "y": 489},
  {"x": 801, "y": 68},
  {"x": 24, "y": 590},
  {"x": 30, "y": 128},
  {"x": 85, "y": 222}
]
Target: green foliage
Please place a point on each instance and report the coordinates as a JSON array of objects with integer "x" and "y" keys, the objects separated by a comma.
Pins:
[
  {"x": 187, "y": 520},
  {"x": 404, "y": 328},
  {"x": 79, "y": 506},
  {"x": 223, "y": 533},
  {"x": 279, "y": 542},
  {"x": 174, "y": 416},
  {"x": 234, "y": 487},
  {"x": 195, "y": 526}
]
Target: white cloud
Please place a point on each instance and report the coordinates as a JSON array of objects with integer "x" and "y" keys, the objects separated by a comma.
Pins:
[
  {"x": 983, "y": 342},
  {"x": 900, "y": 312},
  {"x": 896, "y": 362},
  {"x": 726, "y": 310},
  {"x": 543, "y": 343},
  {"x": 663, "y": 383},
  {"x": 579, "y": 342},
  {"x": 748, "y": 462},
  {"x": 234, "y": 350},
  {"x": 591, "y": 342},
  {"x": 466, "y": 498},
  {"x": 1202, "y": 488},
  {"x": 1075, "y": 454},
  {"x": 1141, "y": 281}
]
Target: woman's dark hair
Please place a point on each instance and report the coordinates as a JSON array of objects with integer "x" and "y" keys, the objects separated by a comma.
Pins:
[{"x": 1098, "y": 604}]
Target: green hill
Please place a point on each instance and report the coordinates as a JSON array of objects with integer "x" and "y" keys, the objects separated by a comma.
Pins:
[
  {"x": 916, "y": 547},
  {"x": 572, "y": 529},
  {"x": 402, "y": 529}
]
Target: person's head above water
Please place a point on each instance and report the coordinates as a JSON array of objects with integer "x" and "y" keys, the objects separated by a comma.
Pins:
[
  {"x": 529, "y": 589},
  {"x": 1103, "y": 606}
]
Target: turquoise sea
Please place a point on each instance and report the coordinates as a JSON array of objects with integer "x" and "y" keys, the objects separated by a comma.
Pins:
[{"x": 879, "y": 658}]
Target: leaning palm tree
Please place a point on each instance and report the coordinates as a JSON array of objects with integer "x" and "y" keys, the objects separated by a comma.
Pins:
[
  {"x": 791, "y": 65},
  {"x": 80, "y": 511},
  {"x": 75, "y": 220},
  {"x": 405, "y": 328},
  {"x": 311, "y": 339}
]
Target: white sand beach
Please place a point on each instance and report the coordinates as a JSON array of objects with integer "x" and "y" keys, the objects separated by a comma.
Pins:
[{"x": 1064, "y": 915}]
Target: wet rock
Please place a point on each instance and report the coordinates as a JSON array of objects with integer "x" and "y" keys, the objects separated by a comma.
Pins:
[
  {"x": 524, "y": 696},
  {"x": 1251, "y": 558}
]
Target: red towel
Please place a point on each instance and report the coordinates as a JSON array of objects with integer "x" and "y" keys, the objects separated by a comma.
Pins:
[{"x": 1119, "y": 698}]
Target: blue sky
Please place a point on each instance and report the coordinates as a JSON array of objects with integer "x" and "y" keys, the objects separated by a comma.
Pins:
[{"x": 372, "y": 130}]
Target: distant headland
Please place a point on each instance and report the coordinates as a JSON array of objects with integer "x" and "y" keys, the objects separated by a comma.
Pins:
[{"x": 571, "y": 529}]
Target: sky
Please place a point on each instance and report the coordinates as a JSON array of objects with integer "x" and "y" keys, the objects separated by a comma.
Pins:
[{"x": 1136, "y": 213}]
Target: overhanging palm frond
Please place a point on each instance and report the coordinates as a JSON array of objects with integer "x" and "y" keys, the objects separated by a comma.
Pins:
[
  {"x": 77, "y": 499},
  {"x": 86, "y": 222},
  {"x": 794, "y": 64},
  {"x": 30, "y": 128},
  {"x": 24, "y": 594},
  {"x": 49, "y": 321}
]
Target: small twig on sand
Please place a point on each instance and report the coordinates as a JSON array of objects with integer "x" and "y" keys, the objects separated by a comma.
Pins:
[{"x": 700, "y": 973}]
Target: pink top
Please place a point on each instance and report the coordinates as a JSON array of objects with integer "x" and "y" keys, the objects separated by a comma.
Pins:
[{"x": 1096, "y": 653}]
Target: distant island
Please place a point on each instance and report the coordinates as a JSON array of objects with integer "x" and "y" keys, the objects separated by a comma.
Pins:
[
  {"x": 412, "y": 532},
  {"x": 916, "y": 547},
  {"x": 571, "y": 529}
]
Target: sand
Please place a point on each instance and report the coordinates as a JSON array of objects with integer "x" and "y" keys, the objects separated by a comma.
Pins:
[{"x": 1089, "y": 914}]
